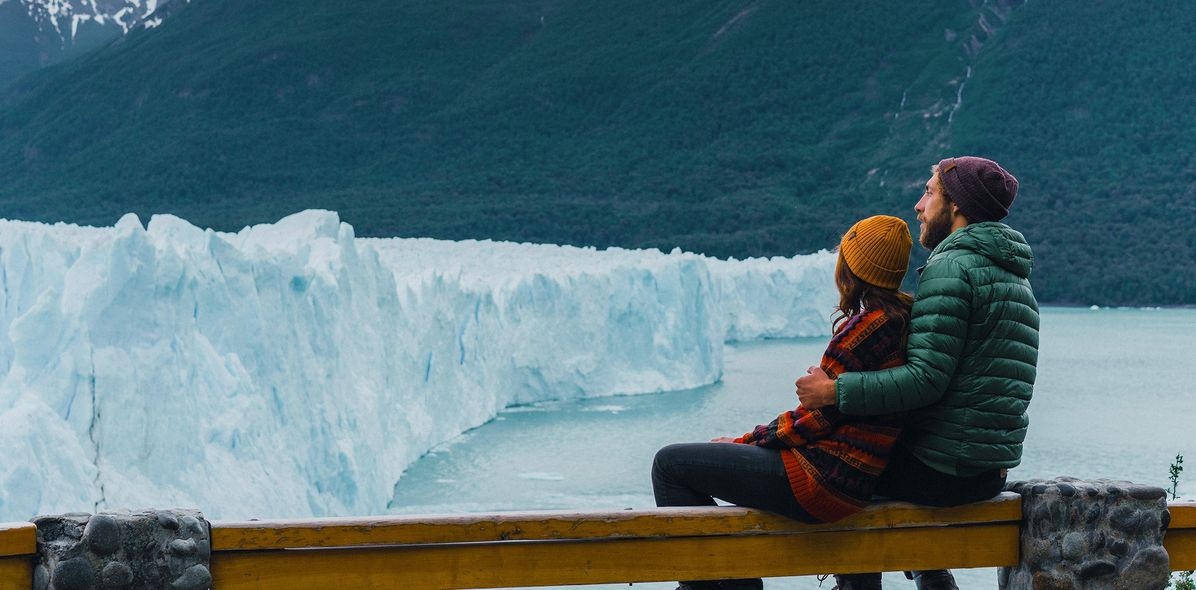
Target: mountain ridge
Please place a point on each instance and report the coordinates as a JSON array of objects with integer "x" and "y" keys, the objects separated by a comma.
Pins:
[{"x": 734, "y": 128}]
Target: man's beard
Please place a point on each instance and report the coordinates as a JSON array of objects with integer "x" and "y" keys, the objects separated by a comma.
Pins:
[{"x": 937, "y": 230}]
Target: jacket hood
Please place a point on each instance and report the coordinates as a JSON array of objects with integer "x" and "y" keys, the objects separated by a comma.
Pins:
[{"x": 998, "y": 242}]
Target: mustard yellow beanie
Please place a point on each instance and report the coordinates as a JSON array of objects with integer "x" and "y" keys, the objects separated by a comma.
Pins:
[{"x": 876, "y": 249}]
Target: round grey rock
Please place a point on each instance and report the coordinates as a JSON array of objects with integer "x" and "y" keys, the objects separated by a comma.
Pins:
[
  {"x": 1119, "y": 548},
  {"x": 1141, "y": 492},
  {"x": 1097, "y": 568},
  {"x": 1149, "y": 521},
  {"x": 196, "y": 577},
  {"x": 1049, "y": 581},
  {"x": 182, "y": 547},
  {"x": 102, "y": 534},
  {"x": 73, "y": 574},
  {"x": 1124, "y": 518},
  {"x": 41, "y": 577},
  {"x": 1074, "y": 546},
  {"x": 1148, "y": 569},
  {"x": 191, "y": 524},
  {"x": 167, "y": 520},
  {"x": 117, "y": 575}
]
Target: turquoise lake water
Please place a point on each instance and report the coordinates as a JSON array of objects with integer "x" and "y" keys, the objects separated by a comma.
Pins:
[{"x": 1115, "y": 398}]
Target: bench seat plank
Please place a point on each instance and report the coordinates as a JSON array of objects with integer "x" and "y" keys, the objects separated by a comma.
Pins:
[
  {"x": 656, "y": 522},
  {"x": 17, "y": 538},
  {"x": 506, "y": 564},
  {"x": 1183, "y": 514}
]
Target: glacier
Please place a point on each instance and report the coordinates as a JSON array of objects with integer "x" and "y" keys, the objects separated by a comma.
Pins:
[{"x": 293, "y": 369}]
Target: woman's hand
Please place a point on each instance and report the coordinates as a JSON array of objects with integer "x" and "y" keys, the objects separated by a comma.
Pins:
[
  {"x": 723, "y": 439},
  {"x": 816, "y": 389}
]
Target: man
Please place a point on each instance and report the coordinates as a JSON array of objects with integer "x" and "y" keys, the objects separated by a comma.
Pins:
[{"x": 973, "y": 349}]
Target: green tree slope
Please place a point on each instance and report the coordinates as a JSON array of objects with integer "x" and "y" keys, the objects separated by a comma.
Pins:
[{"x": 732, "y": 128}]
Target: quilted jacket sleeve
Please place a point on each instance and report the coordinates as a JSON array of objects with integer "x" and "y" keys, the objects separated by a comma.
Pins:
[{"x": 938, "y": 331}]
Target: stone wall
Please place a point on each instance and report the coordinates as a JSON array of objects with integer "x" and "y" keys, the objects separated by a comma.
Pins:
[
  {"x": 153, "y": 549},
  {"x": 1091, "y": 535}
]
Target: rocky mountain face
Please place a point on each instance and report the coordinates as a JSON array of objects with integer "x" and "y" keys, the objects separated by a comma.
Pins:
[{"x": 38, "y": 33}]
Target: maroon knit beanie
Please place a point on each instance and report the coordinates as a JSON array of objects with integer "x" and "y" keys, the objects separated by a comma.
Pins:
[{"x": 981, "y": 188}]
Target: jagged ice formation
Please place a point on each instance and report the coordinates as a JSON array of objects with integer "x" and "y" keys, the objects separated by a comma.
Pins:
[{"x": 292, "y": 369}]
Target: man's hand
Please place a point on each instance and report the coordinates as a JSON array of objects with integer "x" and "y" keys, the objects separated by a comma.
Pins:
[
  {"x": 723, "y": 439},
  {"x": 816, "y": 390}
]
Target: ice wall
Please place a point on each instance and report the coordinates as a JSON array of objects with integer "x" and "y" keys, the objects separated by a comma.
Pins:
[{"x": 292, "y": 369}]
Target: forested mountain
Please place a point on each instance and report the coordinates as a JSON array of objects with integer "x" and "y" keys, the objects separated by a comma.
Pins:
[{"x": 733, "y": 128}]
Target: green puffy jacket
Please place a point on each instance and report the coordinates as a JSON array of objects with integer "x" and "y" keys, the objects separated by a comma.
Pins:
[{"x": 973, "y": 349}]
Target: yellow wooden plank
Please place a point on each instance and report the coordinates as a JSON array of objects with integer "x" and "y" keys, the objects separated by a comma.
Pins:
[
  {"x": 1183, "y": 514},
  {"x": 492, "y": 565},
  {"x": 658, "y": 522},
  {"x": 1181, "y": 546},
  {"x": 16, "y": 573},
  {"x": 18, "y": 538}
]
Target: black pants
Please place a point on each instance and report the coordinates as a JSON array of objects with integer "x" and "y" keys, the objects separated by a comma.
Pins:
[
  {"x": 910, "y": 480},
  {"x": 694, "y": 474}
]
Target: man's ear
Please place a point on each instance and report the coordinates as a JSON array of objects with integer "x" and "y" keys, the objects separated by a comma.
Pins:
[{"x": 958, "y": 219}]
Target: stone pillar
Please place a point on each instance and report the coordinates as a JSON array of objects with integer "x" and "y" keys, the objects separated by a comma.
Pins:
[
  {"x": 166, "y": 549},
  {"x": 1090, "y": 535}
]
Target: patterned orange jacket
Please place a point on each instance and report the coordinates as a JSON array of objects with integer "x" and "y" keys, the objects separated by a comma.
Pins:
[{"x": 834, "y": 461}]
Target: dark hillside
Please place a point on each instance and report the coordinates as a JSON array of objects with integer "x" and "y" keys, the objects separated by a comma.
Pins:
[
  {"x": 1094, "y": 104},
  {"x": 733, "y": 128}
]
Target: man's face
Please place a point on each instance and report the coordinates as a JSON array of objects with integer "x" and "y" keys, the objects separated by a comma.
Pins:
[{"x": 934, "y": 215}]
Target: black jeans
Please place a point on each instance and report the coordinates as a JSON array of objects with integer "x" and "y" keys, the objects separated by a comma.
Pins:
[
  {"x": 694, "y": 474},
  {"x": 910, "y": 480}
]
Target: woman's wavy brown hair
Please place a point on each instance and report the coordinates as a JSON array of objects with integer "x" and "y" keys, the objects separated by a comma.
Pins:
[{"x": 856, "y": 296}]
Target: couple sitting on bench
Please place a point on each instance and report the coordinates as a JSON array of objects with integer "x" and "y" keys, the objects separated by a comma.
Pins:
[{"x": 916, "y": 399}]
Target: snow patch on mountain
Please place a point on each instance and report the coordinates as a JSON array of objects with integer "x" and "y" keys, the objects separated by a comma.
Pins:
[{"x": 64, "y": 17}]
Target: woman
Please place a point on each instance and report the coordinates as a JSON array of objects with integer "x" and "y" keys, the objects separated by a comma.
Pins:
[{"x": 813, "y": 466}]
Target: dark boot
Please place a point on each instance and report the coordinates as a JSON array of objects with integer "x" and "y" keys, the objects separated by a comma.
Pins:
[
  {"x": 857, "y": 582},
  {"x": 934, "y": 580},
  {"x": 742, "y": 584},
  {"x": 699, "y": 585}
]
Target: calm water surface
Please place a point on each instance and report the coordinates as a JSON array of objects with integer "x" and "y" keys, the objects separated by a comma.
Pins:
[{"x": 1114, "y": 399}]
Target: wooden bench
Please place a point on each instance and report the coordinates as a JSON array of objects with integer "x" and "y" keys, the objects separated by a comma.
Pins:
[
  {"x": 18, "y": 545},
  {"x": 561, "y": 548}
]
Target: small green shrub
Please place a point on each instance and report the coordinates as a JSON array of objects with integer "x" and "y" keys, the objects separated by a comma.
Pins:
[{"x": 1181, "y": 580}]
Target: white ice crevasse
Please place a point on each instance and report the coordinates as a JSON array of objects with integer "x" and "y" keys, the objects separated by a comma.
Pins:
[{"x": 291, "y": 369}]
